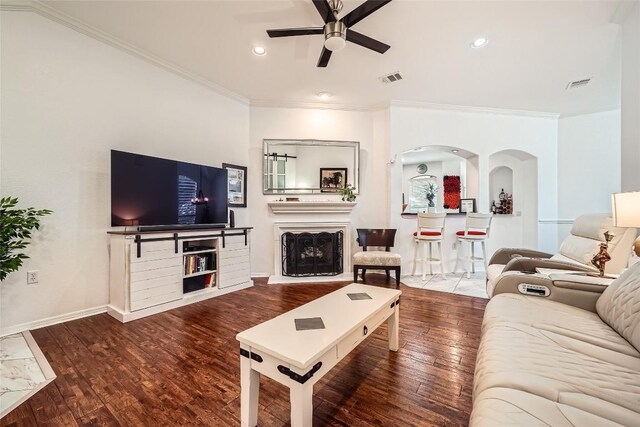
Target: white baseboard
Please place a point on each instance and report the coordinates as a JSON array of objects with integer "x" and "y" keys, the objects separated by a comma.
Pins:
[
  {"x": 54, "y": 320},
  {"x": 128, "y": 316}
]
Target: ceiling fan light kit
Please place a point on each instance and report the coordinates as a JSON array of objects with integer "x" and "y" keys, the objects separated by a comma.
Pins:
[
  {"x": 335, "y": 36},
  {"x": 336, "y": 31}
]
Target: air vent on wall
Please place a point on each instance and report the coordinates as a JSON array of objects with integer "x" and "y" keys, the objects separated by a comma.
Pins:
[
  {"x": 578, "y": 83},
  {"x": 390, "y": 78}
]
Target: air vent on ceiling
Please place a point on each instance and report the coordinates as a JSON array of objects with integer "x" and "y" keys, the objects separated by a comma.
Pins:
[
  {"x": 578, "y": 83},
  {"x": 390, "y": 78}
]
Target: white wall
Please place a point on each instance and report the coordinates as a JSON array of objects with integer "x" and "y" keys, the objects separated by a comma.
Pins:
[
  {"x": 631, "y": 101},
  {"x": 588, "y": 163},
  {"x": 369, "y": 128},
  {"x": 68, "y": 99},
  {"x": 483, "y": 133}
]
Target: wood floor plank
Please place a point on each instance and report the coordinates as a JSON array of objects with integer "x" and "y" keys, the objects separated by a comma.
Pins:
[{"x": 181, "y": 367}]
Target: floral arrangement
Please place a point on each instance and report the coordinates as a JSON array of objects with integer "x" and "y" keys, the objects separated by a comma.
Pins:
[{"x": 431, "y": 190}]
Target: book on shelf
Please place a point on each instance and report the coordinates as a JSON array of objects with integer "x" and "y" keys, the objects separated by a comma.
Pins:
[
  {"x": 196, "y": 263},
  {"x": 210, "y": 280}
]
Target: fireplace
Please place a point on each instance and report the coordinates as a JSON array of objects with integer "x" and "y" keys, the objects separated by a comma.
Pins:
[{"x": 312, "y": 254}]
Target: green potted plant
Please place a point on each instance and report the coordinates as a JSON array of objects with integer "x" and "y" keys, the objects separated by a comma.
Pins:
[
  {"x": 347, "y": 193},
  {"x": 16, "y": 226}
]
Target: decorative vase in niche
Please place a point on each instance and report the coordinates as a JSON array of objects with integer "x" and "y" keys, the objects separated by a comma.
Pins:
[{"x": 430, "y": 194}]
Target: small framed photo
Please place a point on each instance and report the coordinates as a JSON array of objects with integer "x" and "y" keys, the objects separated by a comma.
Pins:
[
  {"x": 236, "y": 185},
  {"x": 467, "y": 205},
  {"x": 332, "y": 179}
]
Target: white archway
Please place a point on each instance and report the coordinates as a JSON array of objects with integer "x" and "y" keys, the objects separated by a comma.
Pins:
[{"x": 517, "y": 172}]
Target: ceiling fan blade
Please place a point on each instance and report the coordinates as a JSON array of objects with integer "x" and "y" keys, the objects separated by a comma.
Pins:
[
  {"x": 288, "y": 32},
  {"x": 365, "y": 41},
  {"x": 362, "y": 11},
  {"x": 324, "y": 10},
  {"x": 324, "y": 57}
]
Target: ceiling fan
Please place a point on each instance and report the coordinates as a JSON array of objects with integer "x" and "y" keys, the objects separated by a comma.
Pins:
[{"x": 338, "y": 32}]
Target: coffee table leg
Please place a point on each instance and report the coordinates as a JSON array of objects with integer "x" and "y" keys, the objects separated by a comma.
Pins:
[
  {"x": 249, "y": 390},
  {"x": 301, "y": 396},
  {"x": 393, "y": 329}
]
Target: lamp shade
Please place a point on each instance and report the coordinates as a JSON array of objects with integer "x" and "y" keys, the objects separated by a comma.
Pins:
[{"x": 626, "y": 209}]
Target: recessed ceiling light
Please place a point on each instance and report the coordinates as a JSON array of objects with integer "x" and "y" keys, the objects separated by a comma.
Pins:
[
  {"x": 324, "y": 95},
  {"x": 259, "y": 50},
  {"x": 454, "y": 151},
  {"x": 479, "y": 42}
]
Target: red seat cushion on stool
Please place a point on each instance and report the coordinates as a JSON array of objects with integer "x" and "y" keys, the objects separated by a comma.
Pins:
[
  {"x": 428, "y": 233},
  {"x": 472, "y": 233}
]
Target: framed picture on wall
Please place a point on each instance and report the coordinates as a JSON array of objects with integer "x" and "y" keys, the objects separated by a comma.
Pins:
[
  {"x": 332, "y": 179},
  {"x": 467, "y": 205},
  {"x": 236, "y": 185}
]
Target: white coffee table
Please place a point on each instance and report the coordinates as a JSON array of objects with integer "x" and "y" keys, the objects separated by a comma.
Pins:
[{"x": 298, "y": 359}]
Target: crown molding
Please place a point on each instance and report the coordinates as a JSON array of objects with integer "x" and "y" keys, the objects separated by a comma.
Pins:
[
  {"x": 403, "y": 104},
  {"x": 470, "y": 109},
  {"x": 15, "y": 6},
  {"x": 55, "y": 15},
  {"x": 318, "y": 105},
  {"x": 587, "y": 113}
]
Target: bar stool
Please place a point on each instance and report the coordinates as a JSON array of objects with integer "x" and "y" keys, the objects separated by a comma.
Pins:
[
  {"x": 476, "y": 230},
  {"x": 430, "y": 230}
]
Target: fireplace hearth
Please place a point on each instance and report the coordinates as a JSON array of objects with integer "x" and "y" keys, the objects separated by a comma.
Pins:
[{"x": 312, "y": 254}]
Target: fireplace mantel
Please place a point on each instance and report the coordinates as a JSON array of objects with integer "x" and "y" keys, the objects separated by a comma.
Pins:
[{"x": 312, "y": 207}]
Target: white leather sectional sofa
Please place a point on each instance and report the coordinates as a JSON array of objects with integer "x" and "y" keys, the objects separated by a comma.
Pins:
[
  {"x": 543, "y": 362},
  {"x": 508, "y": 268}
]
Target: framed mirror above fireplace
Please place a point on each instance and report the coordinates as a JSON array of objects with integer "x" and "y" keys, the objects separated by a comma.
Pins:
[{"x": 309, "y": 166}]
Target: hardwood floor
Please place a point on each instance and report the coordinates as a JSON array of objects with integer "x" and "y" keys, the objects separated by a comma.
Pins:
[{"x": 182, "y": 367}]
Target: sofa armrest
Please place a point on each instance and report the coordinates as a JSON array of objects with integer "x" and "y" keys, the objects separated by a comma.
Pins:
[
  {"x": 504, "y": 255},
  {"x": 571, "y": 289},
  {"x": 531, "y": 264},
  {"x": 580, "y": 282}
]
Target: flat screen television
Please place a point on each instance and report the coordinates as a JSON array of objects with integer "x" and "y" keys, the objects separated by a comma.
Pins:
[{"x": 153, "y": 193}]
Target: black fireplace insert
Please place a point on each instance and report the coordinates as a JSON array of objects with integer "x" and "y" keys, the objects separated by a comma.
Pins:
[{"x": 312, "y": 254}]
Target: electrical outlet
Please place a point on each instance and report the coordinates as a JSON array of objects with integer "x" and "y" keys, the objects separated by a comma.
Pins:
[{"x": 32, "y": 277}]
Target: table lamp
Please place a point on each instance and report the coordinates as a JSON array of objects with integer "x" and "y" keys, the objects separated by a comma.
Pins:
[{"x": 626, "y": 212}]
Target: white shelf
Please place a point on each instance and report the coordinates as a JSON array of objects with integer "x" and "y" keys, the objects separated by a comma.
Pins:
[
  {"x": 201, "y": 292},
  {"x": 204, "y": 251},
  {"x": 311, "y": 207},
  {"x": 199, "y": 273}
]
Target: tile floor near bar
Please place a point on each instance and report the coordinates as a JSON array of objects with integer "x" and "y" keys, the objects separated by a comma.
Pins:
[
  {"x": 21, "y": 374},
  {"x": 457, "y": 283}
]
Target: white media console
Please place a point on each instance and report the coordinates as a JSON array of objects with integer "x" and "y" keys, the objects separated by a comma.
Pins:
[{"x": 151, "y": 272}]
